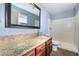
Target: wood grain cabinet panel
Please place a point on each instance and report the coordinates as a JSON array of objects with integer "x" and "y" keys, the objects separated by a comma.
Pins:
[
  {"x": 41, "y": 53},
  {"x": 49, "y": 41},
  {"x": 40, "y": 50},
  {"x": 48, "y": 45},
  {"x": 43, "y": 49}
]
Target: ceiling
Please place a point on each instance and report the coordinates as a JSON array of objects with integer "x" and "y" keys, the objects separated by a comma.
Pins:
[{"x": 57, "y": 8}]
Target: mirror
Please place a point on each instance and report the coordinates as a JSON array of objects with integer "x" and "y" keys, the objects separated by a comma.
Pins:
[{"x": 22, "y": 15}]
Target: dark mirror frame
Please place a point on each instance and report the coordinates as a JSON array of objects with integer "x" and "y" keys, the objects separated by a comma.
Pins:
[{"x": 8, "y": 18}]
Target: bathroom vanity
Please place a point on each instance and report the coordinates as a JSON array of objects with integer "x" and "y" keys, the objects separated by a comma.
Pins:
[
  {"x": 25, "y": 45},
  {"x": 43, "y": 49}
]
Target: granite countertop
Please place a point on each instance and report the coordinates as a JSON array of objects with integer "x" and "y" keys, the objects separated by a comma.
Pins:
[{"x": 20, "y": 47}]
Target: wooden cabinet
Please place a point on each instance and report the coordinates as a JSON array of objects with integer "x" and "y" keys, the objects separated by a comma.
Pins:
[
  {"x": 43, "y": 49},
  {"x": 40, "y": 50},
  {"x": 30, "y": 53},
  {"x": 48, "y": 45}
]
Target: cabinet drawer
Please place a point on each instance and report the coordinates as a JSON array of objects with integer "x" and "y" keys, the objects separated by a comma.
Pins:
[
  {"x": 30, "y": 53},
  {"x": 40, "y": 49}
]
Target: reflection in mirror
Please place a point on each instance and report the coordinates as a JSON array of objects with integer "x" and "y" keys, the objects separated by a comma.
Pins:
[
  {"x": 22, "y": 19},
  {"x": 26, "y": 14}
]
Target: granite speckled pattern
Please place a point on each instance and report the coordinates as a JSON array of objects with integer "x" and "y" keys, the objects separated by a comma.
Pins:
[{"x": 19, "y": 44}]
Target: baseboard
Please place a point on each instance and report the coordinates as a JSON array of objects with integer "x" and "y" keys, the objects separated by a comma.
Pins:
[{"x": 68, "y": 46}]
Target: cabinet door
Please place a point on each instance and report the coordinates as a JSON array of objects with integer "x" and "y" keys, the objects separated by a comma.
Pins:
[
  {"x": 40, "y": 50},
  {"x": 30, "y": 53},
  {"x": 48, "y": 46},
  {"x": 47, "y": 50},
  {"x": 41, "y": 53}
]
